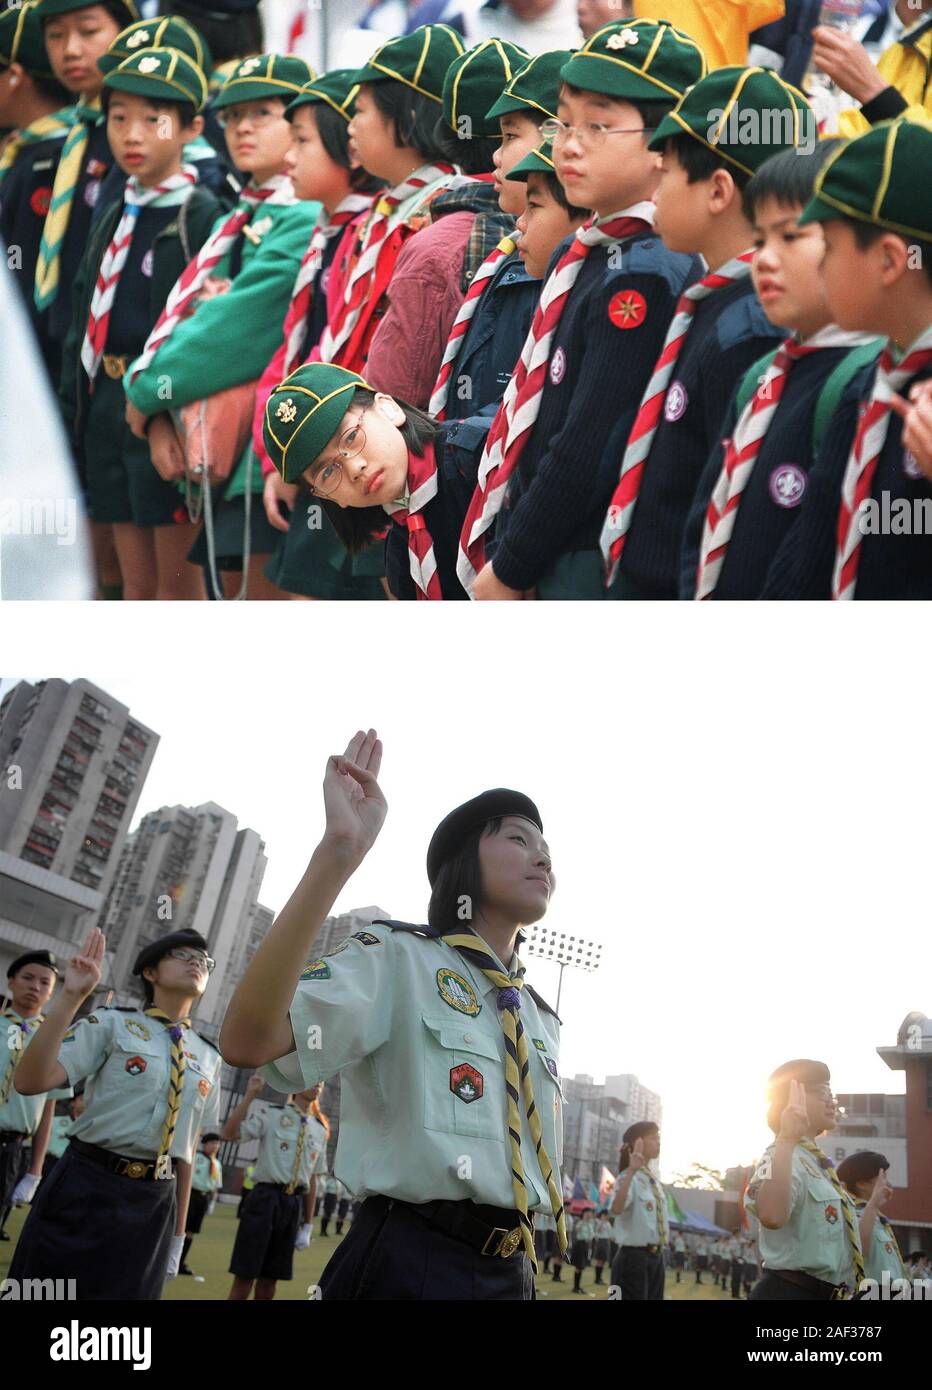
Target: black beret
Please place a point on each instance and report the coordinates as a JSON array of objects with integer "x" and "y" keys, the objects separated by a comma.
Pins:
[
  {"x": 219, "y": 9},
  {"x": 34, "y": 958},
  {"x": 808, "y": 1072},
  {"x": 639, "y": 1130},
  {"x": 861, "y": 1167},
  {"x": 453, "y": 829},
  {"x": 153, "y": 953}
]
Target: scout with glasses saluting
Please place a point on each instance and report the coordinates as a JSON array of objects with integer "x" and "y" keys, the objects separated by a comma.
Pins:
[
  {"x": 809, "y": 1239},
  {"x": 451, "y": 1119},
  {"x": 112, "y": 1215}
]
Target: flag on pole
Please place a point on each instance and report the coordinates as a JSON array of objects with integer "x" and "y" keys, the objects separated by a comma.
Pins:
[
  {"x": 674, "y": 1210},
  {"x": 606, "y": 1183}
]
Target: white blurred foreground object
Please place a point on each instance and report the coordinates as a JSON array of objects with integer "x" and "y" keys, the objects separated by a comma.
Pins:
[{"x": 45, "y": 550}]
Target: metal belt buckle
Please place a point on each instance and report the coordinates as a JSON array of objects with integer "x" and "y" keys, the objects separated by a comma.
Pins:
[
  {"x": 137, "y": 1169},
  {"x": 163, "y": 1166},
  {"x": 115, "y": 367},
  {"x": 507, "y": 1244}
]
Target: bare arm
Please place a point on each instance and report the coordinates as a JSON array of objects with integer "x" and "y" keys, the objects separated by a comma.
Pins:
[
  {"x": 232, "y": 1125},
  {"x": 257, "y": 1028},
  {"x": 310, "y": 1198},
  {"x": 183, "y": 1175},
  {"x": 40, "y": 1140},
  {"x": 621, "y": 1196}
]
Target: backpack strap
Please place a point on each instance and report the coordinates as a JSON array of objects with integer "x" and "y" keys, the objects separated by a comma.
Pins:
[{"x": 834, "y": 387}]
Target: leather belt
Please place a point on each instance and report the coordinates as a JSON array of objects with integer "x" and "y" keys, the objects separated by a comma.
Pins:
[
  {"x": 490, "y": 1230},
  {"x": 817, "y": 1287},
  {"x": 8, "y": 1135},
  {"x": 151, "y": 1170},
  {"x": 283, "y": 1187},
  {"x": 115, "y": 367},
  {"x": 651, "y": 1249}
]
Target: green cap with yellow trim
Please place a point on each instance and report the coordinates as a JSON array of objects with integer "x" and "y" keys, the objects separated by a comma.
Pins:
[
  {"x": 49, "y": 8},
  {"x": 336, "y": 89},
  {"x": 168, "y": 32},
  {"x": 419, "y": 60},
  {"x": 162, "y": 74},
  {"x": 475, "y": 80},
  {"x": 637, "y": 60},
  {"x": 879, "y": 178},
  {"x": 746, "y": 115},
  {"x": 304, "y": 413},
  {"x": 539, "y": 161},
  {"x": 21, "y": 41},
  {"x": 535, "y": 88},
  {"x": 265, "y": 75}
]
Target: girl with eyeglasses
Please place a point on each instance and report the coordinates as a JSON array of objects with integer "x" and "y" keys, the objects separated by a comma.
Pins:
[{"x": 112, "y": 1214}]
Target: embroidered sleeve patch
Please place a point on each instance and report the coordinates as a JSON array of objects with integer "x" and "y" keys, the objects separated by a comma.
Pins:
[
  {"x": 316, "y": 970},
  {"x": 627, "y": 309}
]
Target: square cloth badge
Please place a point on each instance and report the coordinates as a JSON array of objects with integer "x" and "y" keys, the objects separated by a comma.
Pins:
[
  {"x": 367, "y": 938},
  {"x": 466, "y": 1083},
  {"x": 316, "y": 970}
]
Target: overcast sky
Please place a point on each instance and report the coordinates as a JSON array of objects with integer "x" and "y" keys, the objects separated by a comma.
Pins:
[{"x": 731, "y": 800}]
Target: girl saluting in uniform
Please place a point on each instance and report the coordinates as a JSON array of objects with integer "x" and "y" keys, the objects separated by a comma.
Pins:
[{"x": 451, "y": 1112}]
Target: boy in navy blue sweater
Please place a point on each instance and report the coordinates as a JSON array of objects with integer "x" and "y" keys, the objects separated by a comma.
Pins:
[
  {"x": 753, "y": 489},
  {"x": 721, "y": 131},
  {"x": 866, "y": 530},
  {"x": 600, "y": 337}
]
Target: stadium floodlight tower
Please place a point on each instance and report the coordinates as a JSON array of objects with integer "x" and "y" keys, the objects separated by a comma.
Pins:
[{"x": 550, "y": 943}]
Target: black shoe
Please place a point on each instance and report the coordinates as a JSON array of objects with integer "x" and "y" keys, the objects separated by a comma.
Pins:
[
  {"x": 185, "y": 1270},
  {"x": 4, "y": 1236}
]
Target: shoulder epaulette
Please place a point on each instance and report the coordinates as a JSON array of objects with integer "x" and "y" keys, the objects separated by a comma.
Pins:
[
  {"x": 207, "y": 1041},
  {"x": 120, "y": 1008},
  {"x": 417, "y": 929},
  {"x": 542, "y": 1003}
]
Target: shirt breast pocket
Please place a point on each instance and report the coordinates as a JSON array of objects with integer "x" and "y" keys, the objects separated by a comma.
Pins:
[
  {"x": 464, "y": 1081},
  {"x": 825, "y": 1210},
  {"x": 141, "y": 1064}
]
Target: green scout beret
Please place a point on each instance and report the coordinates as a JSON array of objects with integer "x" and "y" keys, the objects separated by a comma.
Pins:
[
  {"x": 336, "y": 89},
  {"x": 879, "y": 178},
  {"x": 448, "y": 838},
  {"x": 308, "y": 407},
  {"x": 266, "y": 75},
  {"x": 161, "y": 73},
  {"x": 539, "y": 161},
  {"x": 419, "y": 60},
  {"x": 167, "y": 32},
  {"x": 21, "y": 41},
  {"x": 475, "y": 80},
  {"x": 48, "y": 8},
  {"x": 155, "y": 950},
  {"x": 746, "y": 115},
  {"x": 535, "y": 88},
  {"x": 45, "y": 958},
  {"x": 641, "y": 60}
]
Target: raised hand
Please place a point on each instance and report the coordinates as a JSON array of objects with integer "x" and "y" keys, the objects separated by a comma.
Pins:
[
  {"x": 882, "y": 1191},
  {"x": 353, "y": 799},
  {"x": 254, "y": 1084},
  {"x": 637, "y": 1155},
  {"x": 794, "y": 1122},
  {"x": 83, "y": 972}
]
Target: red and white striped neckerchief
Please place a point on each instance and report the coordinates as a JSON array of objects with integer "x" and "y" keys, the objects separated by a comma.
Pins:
[
  {"x": 295, "y": 327},
  {"x": 744, "y": 446},
  {"x": 190, "y": 281},
  {"x": 480, "y": 283},
  {"x": 624, "y": 498},
  {"x": 521, "y": 405},
  {"x": 173, "y": 192},
  {"x": 422, "y": 486},
  {"x": 363, "y": 274},
  {"x": 865, "y": 455}
]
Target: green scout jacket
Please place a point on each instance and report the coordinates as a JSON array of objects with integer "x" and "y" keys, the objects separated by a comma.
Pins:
[{"x": 231, "y": 338}]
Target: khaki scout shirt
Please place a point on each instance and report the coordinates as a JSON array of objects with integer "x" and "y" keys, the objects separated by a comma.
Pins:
[
  {"x": 21, "y": 1114},
  {"x": 815, "y": 1238},
  {"x": 414, "y": 1030},
  {"x": 277, "y": 1129}
]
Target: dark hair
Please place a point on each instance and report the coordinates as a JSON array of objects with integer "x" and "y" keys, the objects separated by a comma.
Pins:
[
  {"x": 206, "y": 1138},
  {"x": 50, "y": 89},
  {"x": 650, "y": 112},
  {"x": 413, "y": 115},
  {"x": 474, "y": 155},
  {"x": 639, "y": 1130},
  {"x": 789, "y": 178},
  {"x": 232, "y": 36},
  {"x": 458, "y": 879},
  {"x": 866, "y": 235},
  {"x": 185, "y": 109},
  {"x": 861, "y": 1167},
  {"x": 356, "y": 527},
  {"x": 701, "y": 163},
  {"x": 332, "y": 130},
  {"x": 558, "y": 194}
]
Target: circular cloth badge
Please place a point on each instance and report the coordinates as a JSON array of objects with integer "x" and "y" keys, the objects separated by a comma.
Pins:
[
  {"x": 40, "y": 200},
  {"x": 558, "y": 367},
  {"x": 911, "y": 466},
  {"x": 457, "y": 992},
  {"x": 92, "y": 192},
  {"x": 674, "y": 407},
  {"x": 787, "y": 485},
  {"x": 148, "y": 261},
  {"x": 627, "y": 309}
]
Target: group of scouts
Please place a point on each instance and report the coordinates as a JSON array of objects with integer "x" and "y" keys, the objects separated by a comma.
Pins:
[
  {"x": 599, "y": 323},
  {"x": 451, "y": 1126}
]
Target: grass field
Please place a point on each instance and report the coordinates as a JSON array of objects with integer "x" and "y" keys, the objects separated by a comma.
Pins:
[{"x": 210, "y": 1257}]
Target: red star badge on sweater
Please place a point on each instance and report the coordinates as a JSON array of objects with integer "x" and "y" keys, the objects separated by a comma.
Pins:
[{"x": 627, "y": 309}]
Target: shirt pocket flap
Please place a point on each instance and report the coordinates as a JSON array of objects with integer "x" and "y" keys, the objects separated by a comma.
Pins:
[
  {"x": 462, "y": 1038},
  {"x": 128, "y": 1041}
]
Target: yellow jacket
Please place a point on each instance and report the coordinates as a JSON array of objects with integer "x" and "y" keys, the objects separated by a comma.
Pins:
[
  {"x": 720, "y": 27},
  {"x": 907, "y": 66}
]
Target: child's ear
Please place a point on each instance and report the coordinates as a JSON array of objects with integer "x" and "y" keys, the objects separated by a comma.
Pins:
[
  {"x": 723, "y": 192},
  {"x": 895, "y": 258},
  {"x": 390, "y": 408},
  {"x": 195, "y": 128}
]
